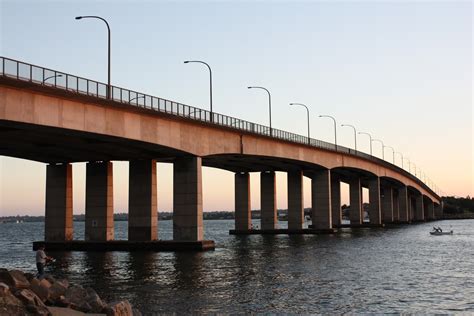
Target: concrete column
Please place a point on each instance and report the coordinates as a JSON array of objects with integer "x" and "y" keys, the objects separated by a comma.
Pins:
[
  {"x": 438, "y": 211},
  {"x": 374, "y": 202},
  {"x": 187, "y": 199},
  {"x": 336, "y": 200},
  {"x": 243, "y": 219},
  {"x": 321, "y": 199},
  {"x": 387, "y": 204},
  {"x": 268, "y": 216},
  {"x": 396, "y": 207},
  {"x": 99, "y": 201},
  {"x": 419, "y": 208},
  {"x": 430, "y": 210},
  {"x": 58, "y": 212},
  {"x": 403, "y": 204},
  {"x": 355, "y": 197},
  {"x": 142, "y": 201},
  {"x": 295, "y": 200}
]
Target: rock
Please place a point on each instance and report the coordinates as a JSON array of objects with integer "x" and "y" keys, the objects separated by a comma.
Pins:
[
  {"x": 77, "y": 296},
  {"x": 31, "y": 299},
  {"x": 62, "y": 302},
  {"x": 50, "y": 278},
  {"x": 60, "y": 311},
  {"x": 4, "y": 289},
  {"x": 14, "y": 279},
  {"x": 120, "y": 308},
  {"x": 41, "y": 288},
  {"x": 63, "y": 282},
  {"x": 56, "y": 290},
  {"x": 29, "y": 276},
  {"x": 10, "y": 305},
  {"x": 93, "y": 299}
]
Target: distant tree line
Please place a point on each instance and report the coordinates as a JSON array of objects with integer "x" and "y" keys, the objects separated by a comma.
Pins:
[{"x": 458, "y": 205}]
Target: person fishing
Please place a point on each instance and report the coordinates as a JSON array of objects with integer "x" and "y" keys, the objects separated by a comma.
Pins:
[{"x": 41, "y": 260}]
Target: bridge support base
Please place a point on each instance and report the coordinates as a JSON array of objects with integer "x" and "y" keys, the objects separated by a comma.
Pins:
[
  {"x": 125, "y": 245},
  {"x": 282, "y": 231}
]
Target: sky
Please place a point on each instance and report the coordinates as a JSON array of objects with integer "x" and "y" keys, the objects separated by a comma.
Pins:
[{"x": 400, "y": 70}]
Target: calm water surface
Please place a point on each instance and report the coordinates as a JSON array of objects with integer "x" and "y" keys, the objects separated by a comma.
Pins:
[{"x": 360, "y": 271}]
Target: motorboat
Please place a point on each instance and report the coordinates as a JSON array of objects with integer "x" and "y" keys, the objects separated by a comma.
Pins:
[{"x": 439, "y": 233}]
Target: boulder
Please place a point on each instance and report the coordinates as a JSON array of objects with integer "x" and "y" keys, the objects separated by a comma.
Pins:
[
  {"x": 62, "y": 301},
  {"x": 93, "y": 299},
  {"x": 14, "y": 278},
  {"x": 32, "y": 302},
  {"x": 4, "y": 289},
  {"x": 10, "y": 305},
  {"x": 63, "y": 282},
  {"x": 41, "y": 288},
  {"x": 120, "y": 308},
  {"x": 50, "y": 278},
  {"x": 56, "y": 290},
  {"x": 136, "y": 312},
  {"x": 77, "y": 296}
]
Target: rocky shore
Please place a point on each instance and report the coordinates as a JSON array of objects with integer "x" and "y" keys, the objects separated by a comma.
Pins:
[{"x": 24, "y": 294}]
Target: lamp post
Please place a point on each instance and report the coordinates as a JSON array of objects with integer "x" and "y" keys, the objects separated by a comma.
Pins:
[
  {"x": 269, "y": 105},
  {"x": 210, "y": 82},
  {"x": 393, "y": 153},
  {"x": 136, "y": 98},
  {"x": 307, "y": 112},
  {"x": 355, "y": 135},
  {"x": 108, "y": 51},
  {"x": 383, "y": 149},
  {"x": 50, "y": 77},
  {"x": 409, "y": 164},
  {"x": 335, "y": 130},
  {"x": 370, "y": 137},
  {"x": 401, "y": 156}
]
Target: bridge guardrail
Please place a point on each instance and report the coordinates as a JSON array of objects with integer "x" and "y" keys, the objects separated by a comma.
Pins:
[{"x": 52, "y": 78}]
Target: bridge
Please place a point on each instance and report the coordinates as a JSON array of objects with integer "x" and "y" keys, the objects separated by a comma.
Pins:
[{"x": 58, "y": 119}]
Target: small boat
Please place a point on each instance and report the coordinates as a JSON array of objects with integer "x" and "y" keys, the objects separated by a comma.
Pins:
[{"x": 438, "y": 233}]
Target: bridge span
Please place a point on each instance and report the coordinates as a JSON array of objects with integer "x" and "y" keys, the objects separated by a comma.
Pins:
[{"x": 58, "y": 119}]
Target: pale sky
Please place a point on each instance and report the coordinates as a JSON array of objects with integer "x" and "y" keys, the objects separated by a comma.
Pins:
[{"x": 401, "y": 70}]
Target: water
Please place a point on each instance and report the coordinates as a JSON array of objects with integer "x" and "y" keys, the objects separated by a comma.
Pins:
[{"x": 365, "y": 271}]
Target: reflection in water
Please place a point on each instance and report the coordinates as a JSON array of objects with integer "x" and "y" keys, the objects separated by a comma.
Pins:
[{"x": 355, "y": 271}]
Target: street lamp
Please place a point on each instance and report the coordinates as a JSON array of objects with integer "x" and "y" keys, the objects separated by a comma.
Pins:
[
  {"x": 409, "y": 164},
  {"x": 383, "y": 149},
  {"x": 136, "y": 98},
  {"x": 307, "y": 112},
  {"x": 210, "y": 82},
  {"x": 53, "y": 76},
  {"x": 401, "y": 156},
  {"x": 370, "y": 137},
  {"x": 393, "y": 153},
  {"x": 355, "y": 135},
  {"x": 108, "y": 29},
  {"x": 335, "y": 132},
  {"x": 269, "y": 105}
]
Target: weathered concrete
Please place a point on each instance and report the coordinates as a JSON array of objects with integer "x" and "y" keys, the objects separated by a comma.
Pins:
[
  {"x": 142, "y": 201},
  {"x": 321, "y": 199},
  {"x": 99, "y": 202},
  {"x": 396, "y": 206},
  {"x": 268, "y": 208},
  {"x": 355, "y": 197},
  {"x": 58, "y": 111},
  {"x": 243, "y": 219},
  {"x": 58, "y": 213},
  {"x": 126, "y": 245},
  {"x": 283, "y": 231},
  {"x": 387, "y": 204},
  {"x": 374, "y": 202},
  {"x": 295, "y": 200},
  {"x": 187, "y": 199},
  {"x": 419, "y": 208},
  {"x": 336, "y": 200},
  {"x": 438, "y": 211},
  {"x": 429, "y": 209}
]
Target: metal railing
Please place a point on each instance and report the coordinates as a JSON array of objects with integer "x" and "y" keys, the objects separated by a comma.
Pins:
[{"x": 18, "y": 70}]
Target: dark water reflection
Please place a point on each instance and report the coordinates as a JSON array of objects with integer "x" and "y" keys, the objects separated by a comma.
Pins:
[{"x": 365, "y": 271}]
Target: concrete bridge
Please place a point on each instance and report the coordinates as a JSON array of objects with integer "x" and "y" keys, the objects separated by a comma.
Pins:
[{"x": 57, "y": 118}]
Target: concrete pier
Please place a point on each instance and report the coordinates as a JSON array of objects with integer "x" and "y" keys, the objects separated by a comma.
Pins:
[
  {"x": 387, "y": 204},
  {"x": 403, "y": 205},
  {"x": 99, "y": 202},
  {"x": 295, "y": 200},
  {"x": 321, "y": 199},
  {"x": 187, "y": 199},
  {"x": 243, "y": 218},
  {"x": 419, "y": 208},
  {"x": 396, "y": 206},
  {"x": 374, "y": 202},
  {"x": 336, "y": 200},
  {"x": 429, "y": 210},
  {"x": 268, "y": 208},
  {"x": 355, "y": 197},
  {"x": 438, "y": 211},
  {"x": 58, "y": 213},
  {"x": 142, "y": 201}
]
